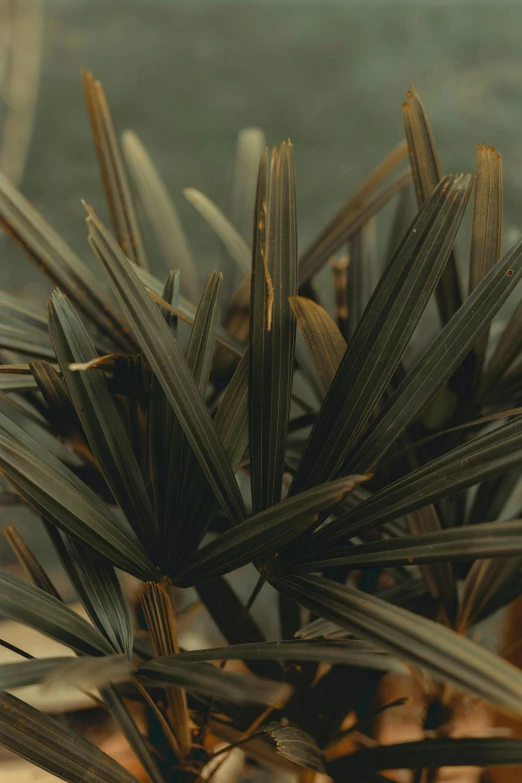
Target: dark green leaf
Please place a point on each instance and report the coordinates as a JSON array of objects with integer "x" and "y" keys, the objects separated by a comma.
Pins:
[
  {"x": 161, "y": 419},
  {"x": 101, "y": 420},
  {"x": 56, "y": 493},
  {"x": 462, "y": 467},
  {"x": 325, "y": 342},
  {"x": 98, "y": 588},
  {"x": 438, "y": 362},
  {"x": 182, "y": 462},
  {"x": 24, "y": 603},
  {"x": 421, "y": 642},
  {"x": 362, "y": 272},
  {"x": 347, "y": 652},
  {"x": 383, "y": 333},
  {"x": 169, "y": 365},
  {"x": 272, "y": 325},
  {"x": 266, "y": 532},
  {"x": 16, "y": 382},
  {"x": 14, "y": 308},
  {"x": 211, "y": 681},
  {"x": 162, "y": 214},
  {"x": 114, "y": 174},
  {"x": 44, "y": 246},
  {"x": 231, "y": 423},
  {"x": 54, "y": 747},
  {"x": 493, "y": 539}
]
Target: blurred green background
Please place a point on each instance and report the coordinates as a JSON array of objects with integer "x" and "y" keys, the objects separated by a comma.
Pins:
[{"x": 188, "y": 75}]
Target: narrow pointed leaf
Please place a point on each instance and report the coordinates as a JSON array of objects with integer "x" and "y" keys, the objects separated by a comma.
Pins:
[
  {"x": 89, "y": 673},
  {"x": 507, "y": 351},
  {"x": 55, "y": 492},
  {"x": 162, "y": 214},
  {"x": 383, "y": 333},
  {"x": 101, "y": 420},
  {"x": 362, "y": 272},
  {"x": 182, "y": 462},
  {"x": 421, "y": 642},
  {"x": 426, "y": 171},
  {"x": 353, "y": 213},
  {"x": 249, "y": 149},
  {"x": 490, "y": 539},
  {"x": 24, "y": 603},
  {"x": 236, "y": 246},
  {"x": 325, "y": 342},
  {"x": 16, "y": 382},
  {"x": 341, "y": 232},
  {"x": 22, "y": 673},
  {"x": 25, "y": 341},
  {"x": 483, "y": 582},
  {"x": 54, "y": 747},
  {"x": 439, "y": 577},
  {"x": 480, "y": 458},
  {"x": 265, "y": 532},
  {"x": 272, "y": 326},
  {"x": 486, "y": 230},
  {"x": 15, "y": 308},
  {"x": 211, "y": 681},
  {"x": 98, "y": 588},
  {"x": 439, "y": 361},
  {"x": 29, "y": 562},
  {"x": 161, "y": 419},
  {"x": 346, "y": 652},
  {"x": 114, "y": 174},
  {"x": 169, "y": 365},
  {"x": 46, "y": 248},
  {"x": 486, "y": 236},
  {"x": 231, "y": 423},
  {"x": 404, "y": 214}
]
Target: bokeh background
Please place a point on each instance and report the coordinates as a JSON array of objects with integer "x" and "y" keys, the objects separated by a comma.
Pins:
[{"x": 186, "y": 75}]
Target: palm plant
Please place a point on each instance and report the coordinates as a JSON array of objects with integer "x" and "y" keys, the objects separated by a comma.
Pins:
[{"x": 362, "y": 469}]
